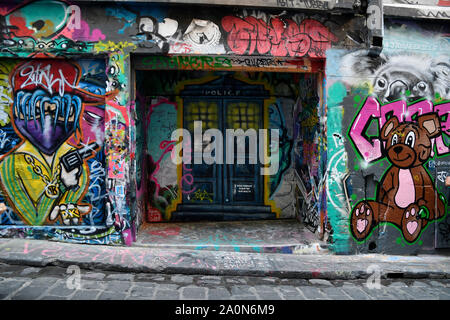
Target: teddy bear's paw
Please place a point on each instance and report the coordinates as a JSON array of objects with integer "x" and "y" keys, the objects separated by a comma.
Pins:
[
  {"x": 362, "y": 220},
  {"x": 411, "y": 223}
]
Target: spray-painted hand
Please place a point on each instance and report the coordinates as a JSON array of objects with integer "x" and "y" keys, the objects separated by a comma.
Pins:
[
  {"x": 71, "y": 178},
  {"x": 3, "y": 207},
  {"x": 70, "y": 213}
]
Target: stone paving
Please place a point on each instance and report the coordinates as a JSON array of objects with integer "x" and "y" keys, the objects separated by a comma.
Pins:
[{"x": 56, "y": 283}]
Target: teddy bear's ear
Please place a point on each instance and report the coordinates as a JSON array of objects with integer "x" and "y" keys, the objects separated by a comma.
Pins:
[
  {"x": 430, "y": 123},
  {"x": 388, "y": 127}
]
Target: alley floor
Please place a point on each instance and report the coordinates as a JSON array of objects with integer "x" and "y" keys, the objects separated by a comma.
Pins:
[{"x": 56, "y": 283}]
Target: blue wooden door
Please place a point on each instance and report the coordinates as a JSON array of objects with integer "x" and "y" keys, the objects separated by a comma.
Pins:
[
  {"x": 202, "y": 183},
  {"x": 224, "y": 184},
  {"x": 242, "y": 179}
]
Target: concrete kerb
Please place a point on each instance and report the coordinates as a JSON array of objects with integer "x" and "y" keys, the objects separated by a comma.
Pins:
[{"x": 42, "y": 253}]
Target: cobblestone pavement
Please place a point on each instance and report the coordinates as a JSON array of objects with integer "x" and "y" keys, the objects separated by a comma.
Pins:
[{"x": 55, "y": 283}]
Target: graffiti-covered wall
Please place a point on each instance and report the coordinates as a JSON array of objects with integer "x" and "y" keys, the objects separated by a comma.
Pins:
[
  {"x": 363, "y": 160},
  {"x": 62, "y": 27},
  {"x": 309, "y": 155},
  {"x": 392, "y": 112},
  {"x": 51, "y": 50},
  {"x": 52, "y": 153},
  {"x": 65, "y": 155}
]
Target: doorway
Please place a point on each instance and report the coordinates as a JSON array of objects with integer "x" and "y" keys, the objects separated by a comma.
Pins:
[
  {"x": 230, "y": 185},
  {"x": 234, "y": 188}
]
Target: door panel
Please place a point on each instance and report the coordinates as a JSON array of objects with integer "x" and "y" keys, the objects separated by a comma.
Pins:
[
  {"x": 224, "y": 184},
  {"x": 242, "y": 183},
  {"x": 204, "y": 179}
]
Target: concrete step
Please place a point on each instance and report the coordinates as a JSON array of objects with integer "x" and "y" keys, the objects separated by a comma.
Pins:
[{"x": 267, "y": 236}]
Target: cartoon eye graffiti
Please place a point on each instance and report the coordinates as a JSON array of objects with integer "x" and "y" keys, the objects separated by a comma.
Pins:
[
  {"x": 112, "y": 70},
  {"x": 394, "y": 139},
  {"x": 381, "y": 83},
  {"x": 422, "y": 86},
  {"x": 410, "y": 139}
]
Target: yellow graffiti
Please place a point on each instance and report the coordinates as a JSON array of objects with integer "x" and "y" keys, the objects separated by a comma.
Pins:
[
  {"x": 43, "y": 198},
  {"x": 111, "y": 46},
  {"x": 6, "y": 98},
  {"x": 202, "y": 195}
]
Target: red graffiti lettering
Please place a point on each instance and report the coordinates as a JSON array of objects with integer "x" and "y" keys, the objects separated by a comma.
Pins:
[{"x": 281, "y": 37}]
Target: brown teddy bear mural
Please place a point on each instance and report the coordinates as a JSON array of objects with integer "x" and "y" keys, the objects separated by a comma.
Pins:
[{"x": 406, "y": 196}]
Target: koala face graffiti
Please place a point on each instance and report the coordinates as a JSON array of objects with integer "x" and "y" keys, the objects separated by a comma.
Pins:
[
  {"x": 401, "y": 76},
  {"x": 394, "y": 82},
  {"x": 409, "y": 144}
]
